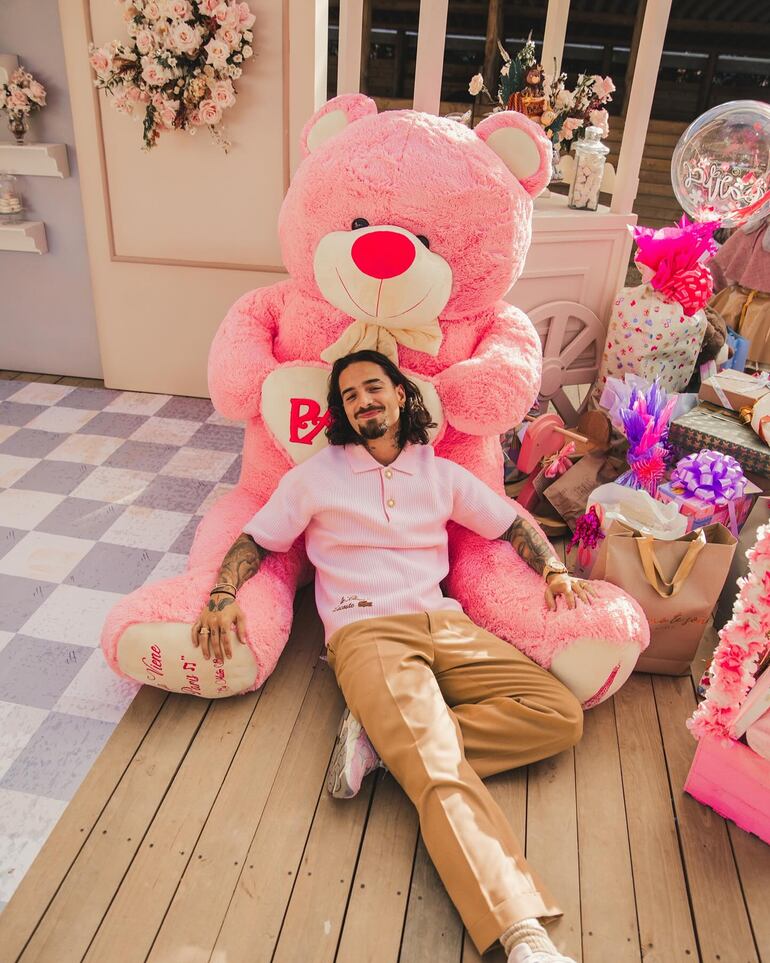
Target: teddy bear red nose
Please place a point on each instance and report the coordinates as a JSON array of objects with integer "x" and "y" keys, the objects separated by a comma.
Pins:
[{"x": 383, "y": 254}]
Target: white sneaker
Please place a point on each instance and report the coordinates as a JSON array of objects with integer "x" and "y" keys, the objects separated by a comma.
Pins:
[
  {"x": 521, "y": 953},
  {"x": 354, "y": 757}
]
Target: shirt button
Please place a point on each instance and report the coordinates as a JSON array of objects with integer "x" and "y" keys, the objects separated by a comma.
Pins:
[
  {"x": 391, "y": 502},
  {"x": 388, "y": 473}
]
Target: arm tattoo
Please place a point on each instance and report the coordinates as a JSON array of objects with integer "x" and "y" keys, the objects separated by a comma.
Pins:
[
  {"x": 529, "y": 544},
  {"x": 242, "y": 561}
]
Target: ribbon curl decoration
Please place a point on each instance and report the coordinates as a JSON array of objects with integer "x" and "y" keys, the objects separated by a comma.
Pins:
[{"x": 555, "y": 465}]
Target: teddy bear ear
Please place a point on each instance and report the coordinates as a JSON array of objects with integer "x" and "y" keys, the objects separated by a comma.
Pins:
[
  {"x": 521, "y": 145},
  {"x": 333, "y": 117}
]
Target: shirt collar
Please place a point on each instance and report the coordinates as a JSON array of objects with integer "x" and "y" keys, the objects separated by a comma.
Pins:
[{"x": 360, "y": 459}]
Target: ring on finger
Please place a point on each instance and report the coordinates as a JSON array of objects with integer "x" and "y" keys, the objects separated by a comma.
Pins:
[{"x": 204, "y": 631}]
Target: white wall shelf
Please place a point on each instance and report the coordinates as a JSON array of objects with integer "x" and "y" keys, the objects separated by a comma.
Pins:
[
  {"x": 41, "y": 160},
  {"x": 27, "y": 236}
]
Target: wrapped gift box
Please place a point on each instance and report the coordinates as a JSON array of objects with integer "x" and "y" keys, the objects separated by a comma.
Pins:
[
  {"x": 706, "y": 426},
  {"x": 734, "y": 781},
  {"x": 700, "y": 512},
  {"x": 733, "y": 389}
]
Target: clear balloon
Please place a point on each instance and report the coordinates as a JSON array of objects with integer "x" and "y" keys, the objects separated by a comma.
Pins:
[{"x": 721, "y": 166}]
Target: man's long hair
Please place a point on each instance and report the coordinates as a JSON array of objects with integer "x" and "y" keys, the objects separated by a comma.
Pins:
[{"x": 415, "y": 418}]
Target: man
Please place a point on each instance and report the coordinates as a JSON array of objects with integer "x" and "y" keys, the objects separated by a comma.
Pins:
[{"x": 444, "y": 702}]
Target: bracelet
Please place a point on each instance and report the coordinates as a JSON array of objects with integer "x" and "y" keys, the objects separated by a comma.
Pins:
[
  {"x": 217, "y": 590},
  {"x": 231, "y": 585}
]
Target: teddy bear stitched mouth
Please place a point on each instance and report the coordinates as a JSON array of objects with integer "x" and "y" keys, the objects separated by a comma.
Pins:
[{"x": 379, "y": 290}]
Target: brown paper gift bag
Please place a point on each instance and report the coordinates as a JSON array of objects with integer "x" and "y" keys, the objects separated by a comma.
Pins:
[{"x": 677, "y": 583}]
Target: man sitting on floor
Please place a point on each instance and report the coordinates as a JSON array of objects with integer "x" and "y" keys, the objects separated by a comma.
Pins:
[{"x": 444, "y": 702}]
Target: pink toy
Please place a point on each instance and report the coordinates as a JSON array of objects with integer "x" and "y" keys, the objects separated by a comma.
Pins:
[{"x": 403, "y": 231}]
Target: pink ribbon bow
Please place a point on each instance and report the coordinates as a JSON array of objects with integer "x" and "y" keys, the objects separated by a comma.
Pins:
[{"x": 557, "y": 464}]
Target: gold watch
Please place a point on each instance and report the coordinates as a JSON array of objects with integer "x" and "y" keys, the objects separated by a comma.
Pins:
[{"x": 554, "y": 567}]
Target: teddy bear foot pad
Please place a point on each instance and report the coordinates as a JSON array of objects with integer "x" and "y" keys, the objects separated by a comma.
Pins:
[{"x": 162, "y": 654}]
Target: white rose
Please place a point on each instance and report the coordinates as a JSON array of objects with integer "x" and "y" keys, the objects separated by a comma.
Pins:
[
  {"x": 247, "y": 52},
  {"x": 37, "y": 93},
  {"x": 476, "y": 85},
  {"x": 564, "y": 99},
  {"x": 210, "y": 113},
  {"x": 152, "y": 10},
  {"x": 217, "y": 52}
]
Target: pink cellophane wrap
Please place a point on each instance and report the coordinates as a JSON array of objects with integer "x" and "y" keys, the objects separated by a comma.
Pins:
[{"x": 674, "y": 256}]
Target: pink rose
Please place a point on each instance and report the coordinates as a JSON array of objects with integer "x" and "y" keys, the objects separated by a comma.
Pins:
[
  {"x": 194, "y": 117},
  {"x": 208, "y": 6},
  {"x": 229, "y": 36},
  {"x": 37, "y": 93},
  {"x": 180, "y": 9},
  {"x": 153, "y": 73},
  {"x": 222, "y": 93},
  {"x": 185, "y": 38},
  {"x": 245, "y": 17},
  {"x": 210, "y": 113},
  {"x": 220, "y": 13},
  {"x": 18, "y": 99},
  {"x": 600, "y": 118},
  {"x": 152, "y": 10},
  {"x": 144, "y": 41},
  {"x": 100, "y": 62}
]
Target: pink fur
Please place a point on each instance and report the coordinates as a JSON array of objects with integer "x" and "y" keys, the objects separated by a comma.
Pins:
[{"x": 435, "y": 177}]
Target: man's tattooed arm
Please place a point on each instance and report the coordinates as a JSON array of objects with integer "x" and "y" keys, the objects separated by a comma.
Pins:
[
  {"x": 529, "y": 544},
  {"x": 240, "y": 564}
]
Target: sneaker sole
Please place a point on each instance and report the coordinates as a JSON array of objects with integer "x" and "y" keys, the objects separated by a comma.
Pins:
[{"x": 336, "y": 784}]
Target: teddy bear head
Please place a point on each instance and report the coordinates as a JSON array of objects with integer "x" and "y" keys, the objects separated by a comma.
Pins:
[{"x": 398, "y": 217}]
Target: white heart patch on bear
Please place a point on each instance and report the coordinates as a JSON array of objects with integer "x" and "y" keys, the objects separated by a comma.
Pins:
[{"x": 295, "y": 411}]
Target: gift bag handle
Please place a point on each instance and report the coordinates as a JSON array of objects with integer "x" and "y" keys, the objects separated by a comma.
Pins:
[{"x": 652, "y": 569}]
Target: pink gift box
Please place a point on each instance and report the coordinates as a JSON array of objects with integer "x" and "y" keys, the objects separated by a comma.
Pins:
[
  {"x": 699, "y": 512},
  {"x": 734, "y": 781}
]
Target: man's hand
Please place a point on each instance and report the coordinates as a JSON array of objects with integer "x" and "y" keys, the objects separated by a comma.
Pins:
[
  {"x": 571, "y": 588},
  {"x": 212, "y": 628}
]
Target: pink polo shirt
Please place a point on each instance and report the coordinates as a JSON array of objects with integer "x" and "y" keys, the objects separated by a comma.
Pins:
[{"x": 377, "y": 534}]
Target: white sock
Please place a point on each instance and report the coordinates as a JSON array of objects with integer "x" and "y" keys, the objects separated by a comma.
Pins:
[{"x": 529, "y": 931}]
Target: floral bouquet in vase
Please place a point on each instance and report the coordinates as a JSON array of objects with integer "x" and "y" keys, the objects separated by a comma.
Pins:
[
  {"x": 19, "y": 98},
  {"x": 564, "y": 114}
]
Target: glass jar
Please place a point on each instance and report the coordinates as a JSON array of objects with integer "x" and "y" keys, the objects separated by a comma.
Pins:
[
  {"x": 11, "y": 205},
  {"x": 590, "y": 157}
]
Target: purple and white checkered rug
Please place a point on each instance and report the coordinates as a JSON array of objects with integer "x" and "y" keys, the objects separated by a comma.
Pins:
[{"x": 100, "y": 492}]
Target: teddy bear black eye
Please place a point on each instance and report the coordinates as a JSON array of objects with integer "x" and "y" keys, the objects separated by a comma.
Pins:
[
  {"x": 359, "y": 223},
  {"x": 423, "y": 238}
]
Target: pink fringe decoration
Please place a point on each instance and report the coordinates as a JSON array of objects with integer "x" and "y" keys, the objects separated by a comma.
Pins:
[{"x": 742, "y": 644}]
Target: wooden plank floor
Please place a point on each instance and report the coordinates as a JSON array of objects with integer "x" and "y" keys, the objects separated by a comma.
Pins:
[{"x": 203, "y": 833}]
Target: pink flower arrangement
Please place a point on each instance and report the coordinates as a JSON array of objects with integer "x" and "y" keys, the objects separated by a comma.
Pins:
[
  {"x": 180, "y": 64},
  {"x": 742, "y": 644},
  {"x": 22, "y": 94}
]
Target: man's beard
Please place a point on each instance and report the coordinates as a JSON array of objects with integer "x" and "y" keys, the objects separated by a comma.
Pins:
[{"x": 371, "y": 429}]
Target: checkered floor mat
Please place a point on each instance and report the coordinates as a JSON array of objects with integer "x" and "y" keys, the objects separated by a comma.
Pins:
[{"x": 100, "y": 492}]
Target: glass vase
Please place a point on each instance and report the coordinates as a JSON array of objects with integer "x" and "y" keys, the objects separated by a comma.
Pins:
[{"x": 19, "y": 126}]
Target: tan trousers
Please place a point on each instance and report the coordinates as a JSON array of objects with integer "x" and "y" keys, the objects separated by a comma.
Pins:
[{"x": 446, "y": 704}]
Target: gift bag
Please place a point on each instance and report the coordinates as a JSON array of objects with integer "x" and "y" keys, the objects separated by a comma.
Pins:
[
  {"x": 650, "y": 337},
  {"x": 677, "y": 583},
  {"x": 570, "y": 491}
]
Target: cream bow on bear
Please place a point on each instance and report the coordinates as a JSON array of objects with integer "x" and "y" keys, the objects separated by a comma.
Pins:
[{"x": 362, "y": 335}]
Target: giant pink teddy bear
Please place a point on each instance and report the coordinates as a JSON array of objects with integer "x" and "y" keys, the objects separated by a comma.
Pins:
[{"x": 400, "y": 231}]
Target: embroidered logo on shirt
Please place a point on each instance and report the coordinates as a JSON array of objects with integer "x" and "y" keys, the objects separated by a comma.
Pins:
[{"x": 351, "y": 602}]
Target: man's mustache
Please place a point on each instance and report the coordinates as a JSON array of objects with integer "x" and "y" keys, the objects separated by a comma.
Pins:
[{"x": 365, "y": 411}]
